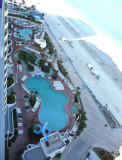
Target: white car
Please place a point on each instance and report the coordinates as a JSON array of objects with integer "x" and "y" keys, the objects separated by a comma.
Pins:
[{"x": 93, "y": 71}]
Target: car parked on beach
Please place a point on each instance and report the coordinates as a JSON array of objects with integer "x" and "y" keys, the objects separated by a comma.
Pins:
[{"x": 93, "y": 70}]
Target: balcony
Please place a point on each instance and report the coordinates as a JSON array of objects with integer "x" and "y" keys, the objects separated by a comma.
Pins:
[
  {"x": 6, "y": 25},
  {"x": 6, "y": 13},
  {"x": 6, "y": 6},
  {"x": 6, "y": 35},
  {"x": 6, "y": 10},
  {"x": 6, "y": 47}
]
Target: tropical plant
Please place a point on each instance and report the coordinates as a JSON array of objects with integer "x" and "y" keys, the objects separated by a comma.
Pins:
[
  {"x": 24, "y": 144},
  {"x": 55, "y": 74},
  {"x": 33, "y": 135},
  {"x": 11, "y": 97},
  {"x": 43, "y": 55},
  {"x": 45, "y": 66},
  {"x": 19, "y": 154},
  {"x": 58, "y": 155},
  {"x": 32, "y": 98},
  {"x": 10, "y": 80},
  {"x": 77, "y": 91},
  {"x": 49, "y": 44},
  {"x": 82, "y": 120},
  {"x": 62, "y": 69}
]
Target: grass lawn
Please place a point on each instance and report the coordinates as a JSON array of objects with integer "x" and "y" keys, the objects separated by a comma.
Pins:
[{"x": 103, "y": 154}]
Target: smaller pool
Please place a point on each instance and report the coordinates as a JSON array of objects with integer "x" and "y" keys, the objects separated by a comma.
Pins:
[
  {"x": 37, "y": 17},
  {"x": 37, "y": 128},
  {"x": 74, "y": 108},
  {"x": 24, "y": 33},
  {"x": 24, "y": 66}
]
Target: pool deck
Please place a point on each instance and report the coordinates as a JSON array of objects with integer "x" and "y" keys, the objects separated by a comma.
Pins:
[{"x": 20, "y": 102}]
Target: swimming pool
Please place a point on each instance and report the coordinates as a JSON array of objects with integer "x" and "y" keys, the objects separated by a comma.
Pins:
[
  {"x": 24, "y": 33},
  {"x": 52, "y": 103},
  {"x": 24, "y": 66},
  {"x": 50, "y": 73},
  {"x": 74, "y": 108}
]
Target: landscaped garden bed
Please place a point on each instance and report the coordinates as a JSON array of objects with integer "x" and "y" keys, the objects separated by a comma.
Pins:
[
  {"x": 10, "y": 80},
  {"x": 49, "y": 44},
  {"x": 27, "y": 18},
  {"x": 11, "y": 97},
  {"x": 33, "y": 135},
  {"x": 29, "y": 58},
  {"x": 103, "y": 154},
  {"x": 61, "y": 68},
  {"x": 45, "y": 66}
]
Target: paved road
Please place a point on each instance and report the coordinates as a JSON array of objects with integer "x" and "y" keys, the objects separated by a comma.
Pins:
[
  {"x": 96, "y": 134},
  {"x": 76, "y": 150}
]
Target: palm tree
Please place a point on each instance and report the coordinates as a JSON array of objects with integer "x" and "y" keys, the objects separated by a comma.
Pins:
[
  {"x": 77, "y": 91},
  {"x": 117, "y": 154},
  {"x": 43, "y": 55},
  {"x": 24, "y": 144},
  {"x": 36, "y": 92},
  {"x": 32, "y": 121},
  {"x": 31, "y": 92}
]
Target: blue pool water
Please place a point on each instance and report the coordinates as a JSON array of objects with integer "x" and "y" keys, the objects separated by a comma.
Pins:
[
  {"x": 24, "y": 66},
  {"x": 50, "y": 73},
  {"x": 24, "y": 33},
  {"x": 74, "y": 108},
  {"x": 52, "y": 103}
]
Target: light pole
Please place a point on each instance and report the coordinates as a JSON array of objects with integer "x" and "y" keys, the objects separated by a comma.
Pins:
[
  {"x": 16, "y": 73},
  {"x": 7, "y": 137}
]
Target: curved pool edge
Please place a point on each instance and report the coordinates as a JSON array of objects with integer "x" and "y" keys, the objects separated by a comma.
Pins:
[{"x": 45, "y": 77}]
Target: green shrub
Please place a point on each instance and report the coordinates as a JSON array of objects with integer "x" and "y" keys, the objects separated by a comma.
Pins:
[
  {"x": 15, "y": 124},
  {"x": 76, "y": 99},
  {"x": 27, "y": 57},
  {"x": 103, "y": 154},
  {"x": 10, "y": 81},
  {"x": 32, "y": 101},
  {"x": 58, "y": 155},
  {"x": 21, "y": 16},
  {"x": 62, "y": 69},
  {"x": 19, "y": 61},
  {"x": 10, "y": 99},
  {"x": 44, "y": 68},
  {"x": 55, "y": 74},
  {"x": 49, "y": 44},
  {"x": 33, "y": 135},
  {"x": 18, "y": 155},
  {"x": 30, "y": 67},
  {"x": 14, "y": 114}
]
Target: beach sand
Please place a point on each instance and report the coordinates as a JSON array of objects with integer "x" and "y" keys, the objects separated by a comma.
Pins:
[{"x": 108, "y": 90}]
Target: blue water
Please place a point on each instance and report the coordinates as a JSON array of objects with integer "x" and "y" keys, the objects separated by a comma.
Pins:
[
  {"x": 24, "y": 66},
  {"x": 52, "y": 103},
  {"x": 103, "y": 15},
  {"x": 24, "y": 33},
  {"x": 50, "y": 73},
  {"x": 74, "y": 108}
]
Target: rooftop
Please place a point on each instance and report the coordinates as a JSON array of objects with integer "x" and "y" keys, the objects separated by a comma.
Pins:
[
  {"x": 54, "y": 143},
  {"x": 35, "y": 153}
]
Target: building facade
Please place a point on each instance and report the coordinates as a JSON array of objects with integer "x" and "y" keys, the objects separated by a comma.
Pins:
[{"x": 3, "y": 72}]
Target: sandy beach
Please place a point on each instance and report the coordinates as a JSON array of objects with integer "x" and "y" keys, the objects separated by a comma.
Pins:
[{"x": 108, "y": 90}]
